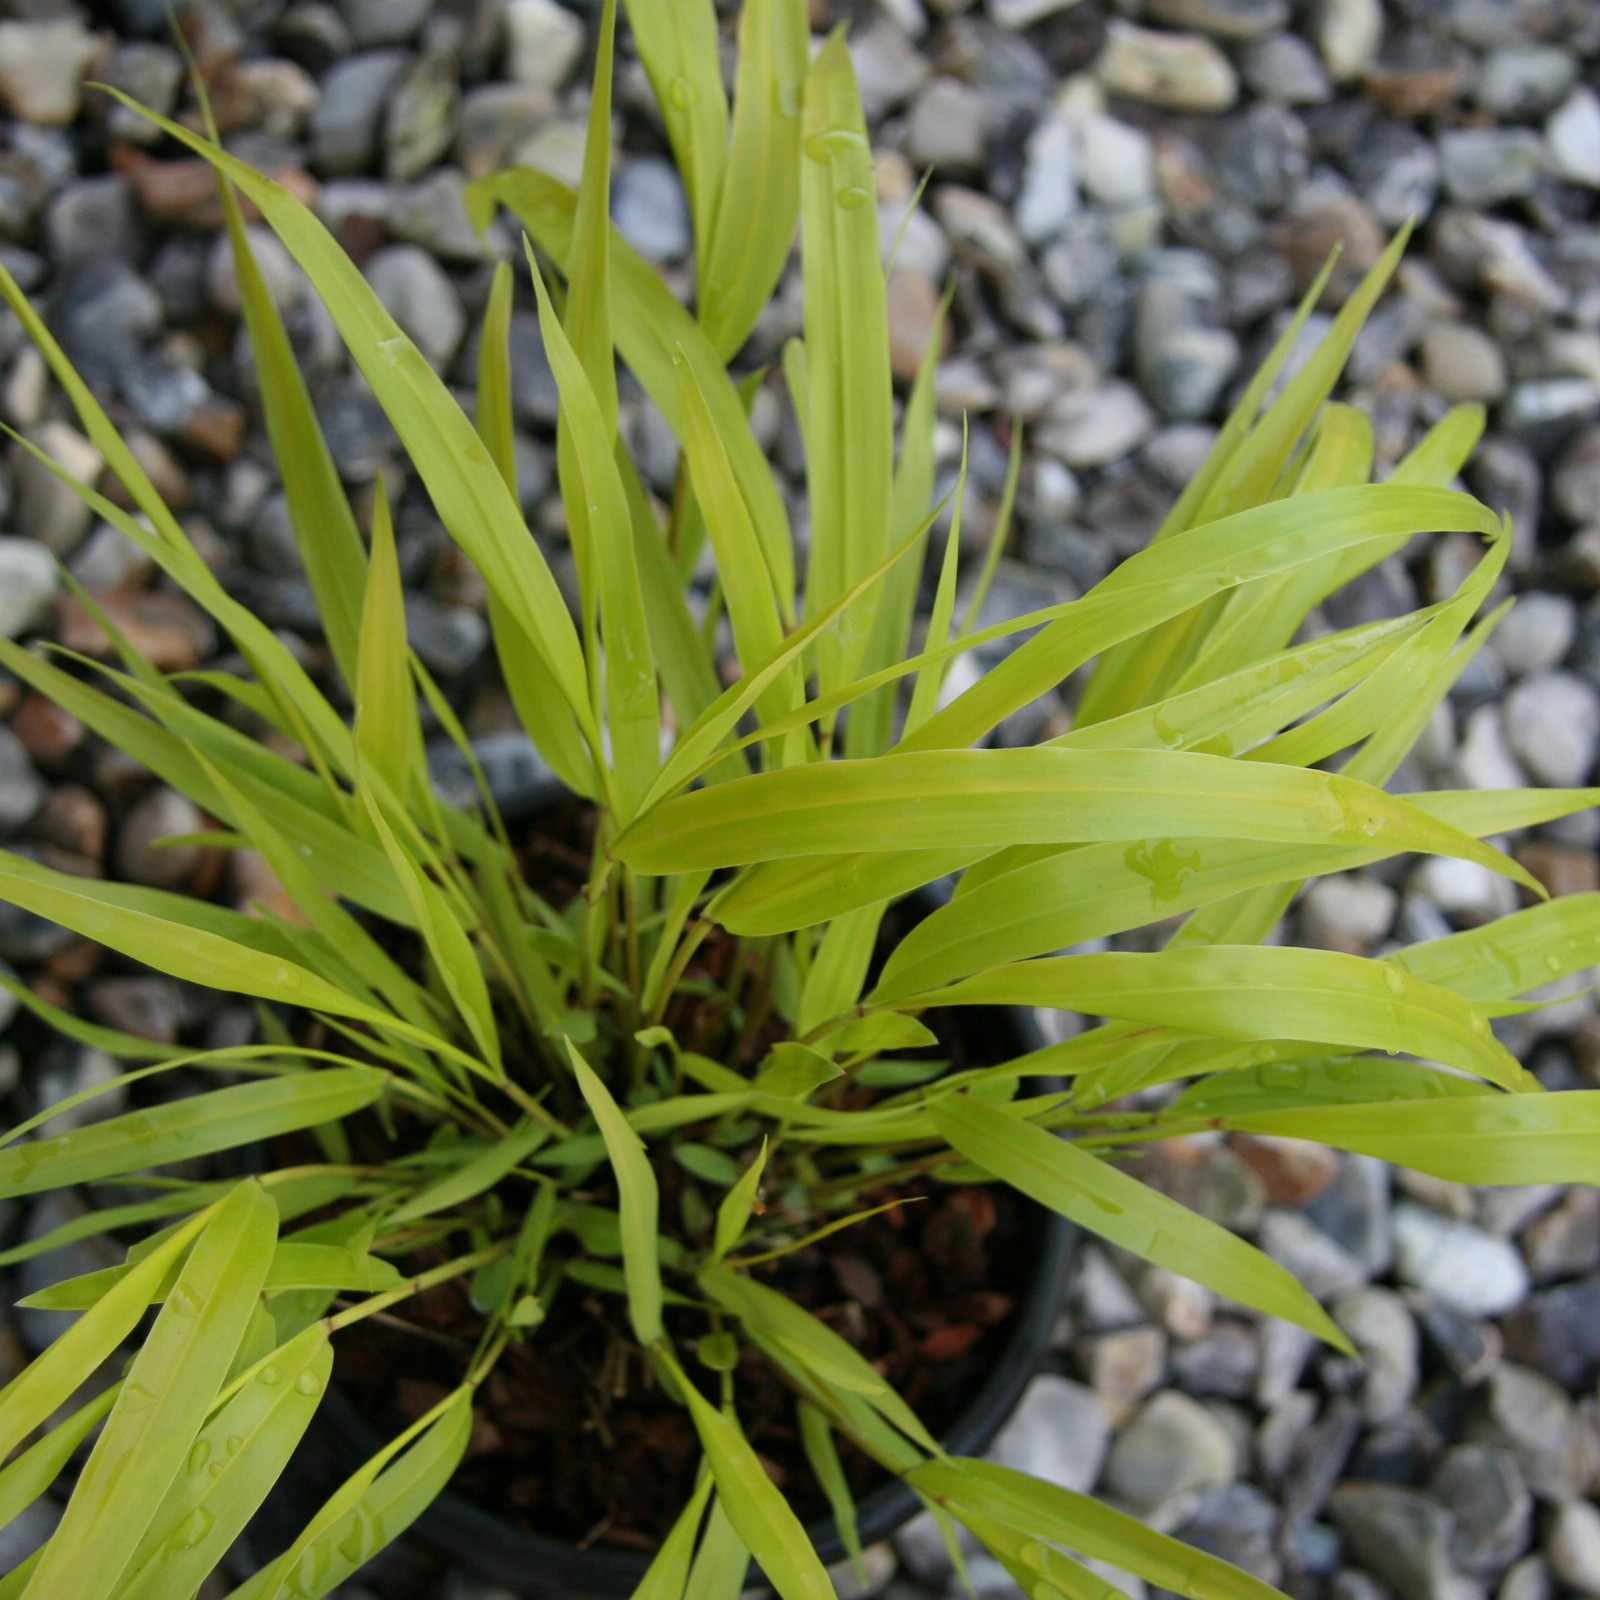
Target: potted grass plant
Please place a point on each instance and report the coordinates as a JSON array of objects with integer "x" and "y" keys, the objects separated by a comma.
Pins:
[{"x": 629, "y": 1108}]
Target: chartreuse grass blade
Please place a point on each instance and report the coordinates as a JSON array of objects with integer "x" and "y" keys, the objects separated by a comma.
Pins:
[
  {"x": 1247, "y": 992},
  {"x": 849, "y": 428},
  {"x": 1513, "y": 954},
  {"x": 839, "y": 966},
  {"x": 1108, "y": 1202},
  {"x": 319, "y": 512},
  {"x": 869, "y": 730},
  {"x": 448, "y": 944},
  {"x": 473, "y": 1177},
  {"x": 759, "y": 1513},
  {"x": 387, "y": 734},
  {"x": 734, "y": 1212},
  {"x": 761, "y": 183},
  {"x": 375, "y": 1505},
  {"x": 1443, "y": 450},
  {"x": 813, "y": 1344},
  {"x": 1335, "y": 1081},
  {"x": 459, "y": 473},
  {"x": 112, "y": 1040},
  {"x": 180, "y": 950},
  {"x": 747, "y": 583},
  {"x": 925, "y": 692},
  {"x": 822, "y": 1455},
  {"x": 669, "y": 1568},
  {"x": 677, "y": 41},
  {"x": 1170, "y": 578},
  {"x": 47, "y": 1382},
  {"x": 193, "y": 1126},
  {"x": 163, "y": 1401},
  {"x": 32, "y": 1473},
  {"x": 235, "y": 1458},
  {"x": 1045, "y": 1512},
  {"x": 588, "y": 266},
  {"x": 722, "y": 1563},
  {"x": 1494, "y": 1138},
  {"x": 589, "y": 470},
  {"x": 651, "y": 329},
  {"x": 637, "y": 1201},
  {"x": 1041, "y": 795}
]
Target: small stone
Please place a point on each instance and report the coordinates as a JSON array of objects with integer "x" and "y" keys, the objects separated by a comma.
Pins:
[
  {"x": 47, "y": 509},
  {"x": 1399, "y": 1535},
  {"x": 1518, "y": 84},
  {"x": 150, "y": 74},
  {"x": 889, "y": 67},
  {"x": 1396, "y": 171},
  {"x": 21, "y": 789},
  {"x": 1182, "y": 1306},
  {"x": 1049, "y": 194},
  {"x": 651, "y": 210},
  {"x": 948, "y": 126},
  {"x": 1285, "y": 1349},
  {"x": 166, "y": 626},
  {"x": 448, "y": 638},
  {"x": 433, "y": 213},
  {"x": 1529, "y": 1579},
  {"x": 1348, "y": 34},
  {"x": 1023, "y": 13},
  {"x": 1575, "y": 484},
  {"x": 419, "y": 119},
  {"x": 557, "y": 149},
  {"x": 1285, "y": 68},
  {"x": 1461, "y": 362},
  {"x": 520, "y": 780},
  {"x": 494, "y": 119},
  {"x": 1059, "y": 1432},
  {"x": 72, "y": 819},
  {"x": 90, "y": 220},
  {"x": 1482, "y": 1488},
  {"x": 1328, "y": 221},
  {"x": 1324, "y": 1267},
  {"x": 1173, "y": 1451},
  {"x": 1459, "y": 1265},
  {"x": 1573, "y": 1546},
  {"x": 1123, "y": 1367},
  {"x": 543, "y": 42},
  {"x": 1572, "y": 135},
  {"x": 1292, "y": 1170},
  {"x": 1203, "y": 1176},
  {"x": 1566, "y": 1241},
  {"x": 41, "y": 69},
  {"x": 1354, "y": 1211},
  {"x": 345, "y": 125},
  {"x": 49, "y": 732},
  {"x": 1381, "y": 1327},
  {"x": 383, "y": 21},
  {"x": 1223, "y": 1362},
  {"x": 160, "y": 815},
  {"x": 913, "y": 305},
  {"x": 148, "y": 1008},
  {"x": 27, "y": 585},
  {"x": 417, "y": 294},
  {"x": 1536, "y": 632},
  {"x": 1547, "y": 410},
  {"x": 1178, "y": 71},
  {"x": 866, "y": 1581},
  {"x": 1228, "y": 19},
  {"x": 1091, "y": 428},
  {"x": 1485, "y": 166},
  {"x": 1101, "y": 1300},
  {"x": 1484, "y": 760},
  {"x": 27, "y": 1531},
  {"x": 1117, "y": 161},
  {"x": 1537, "y": 1422},
  {"x": 1552, "y": 724},
  {"x": 1347, "y": 912}
]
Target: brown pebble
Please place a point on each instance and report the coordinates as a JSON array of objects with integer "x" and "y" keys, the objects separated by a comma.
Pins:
[
  {"x": 216, "y": 427},
  {"x": 142, "y": 859},
  {"x": 148, "y": 1008},
  {"x": 257, "y": 888},
  {"x": 1561, "y": 871},
  {"x": 48, "y": 733},
  {"x": 1292, "y": 1170},
  {"x": 168, "y": 627},
  {"x": 1332, "y": 220},
  {"x": 72, "y": 819}
]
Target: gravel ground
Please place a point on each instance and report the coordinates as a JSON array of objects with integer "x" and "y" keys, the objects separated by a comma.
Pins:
[{"x": 1129, "y": 195}]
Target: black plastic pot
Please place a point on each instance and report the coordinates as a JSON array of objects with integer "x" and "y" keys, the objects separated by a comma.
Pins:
[{"x": 543, "y": 1568}]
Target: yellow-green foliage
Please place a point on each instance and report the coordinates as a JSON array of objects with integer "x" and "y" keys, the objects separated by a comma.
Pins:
[{"x": 1214, "y": 766}]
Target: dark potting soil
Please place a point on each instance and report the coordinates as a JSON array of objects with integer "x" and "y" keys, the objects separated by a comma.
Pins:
[{"x": 574, "y": 1438}]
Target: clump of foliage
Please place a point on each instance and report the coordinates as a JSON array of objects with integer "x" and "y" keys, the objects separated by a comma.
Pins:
[{"x": 520, "y": 1052}]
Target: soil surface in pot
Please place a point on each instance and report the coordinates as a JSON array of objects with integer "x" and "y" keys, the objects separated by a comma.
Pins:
[{"x": 574, "y": 1439}]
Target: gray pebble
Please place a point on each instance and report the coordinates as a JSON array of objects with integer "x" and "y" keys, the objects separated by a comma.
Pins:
[
  {"x": 1485, "y": 166},
  {"x": 1482, "y": 1488},
  {"x": 1400, "y": 1536},
  {"x": 1059, "y": 1432},
  {"x": 22, "y": 790},
  {"x": 650, "y": 209},
  {"x": 421, "y": 298},
  {"x": 1552, "y": 723},
  {"x": 1172, "y": 1450},
  {"x": 28, "y": 584},
  {"x": 345, "y": 124}
]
